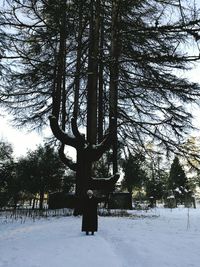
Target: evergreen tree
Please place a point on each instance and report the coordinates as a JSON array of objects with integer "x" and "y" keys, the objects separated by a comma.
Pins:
[
  {"x": 156, "y": 187},
  {"x": 177, "y": 181},
  {"x": 6, "y": 160},
  {"x": 103, "y": 65},
  {"x": 39, "y": 172},
  {"x": 44, "y": 172},
  {"x": 156, "y": 182},
  {"x": 6, "y": 151},
  {"x": 13, "y": 188},
  {"x": 134, "y": 174},
  {"x": 68, "y": 182}
]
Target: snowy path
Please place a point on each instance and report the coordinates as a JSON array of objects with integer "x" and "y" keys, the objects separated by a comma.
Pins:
[{"x": 121, "y": 242}]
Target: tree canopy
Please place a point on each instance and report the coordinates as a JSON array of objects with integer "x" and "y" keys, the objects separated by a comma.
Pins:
[
  {"x": 111, "y": 67},
  {"x": 134, "y": 174},
  {"x": 178, "y": 182},
  {"x": 39, "y": 172},
  {"x": 150, "y": 47}
]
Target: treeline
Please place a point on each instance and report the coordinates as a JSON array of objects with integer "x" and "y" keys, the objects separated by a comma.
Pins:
[
  {"x": 150, "y": 177},
  {"x": 155, "y": 179},
  {"x": 32, "y": 176}
]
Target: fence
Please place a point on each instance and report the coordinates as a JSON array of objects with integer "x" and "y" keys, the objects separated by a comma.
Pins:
[{"x": 22, "y": 215}]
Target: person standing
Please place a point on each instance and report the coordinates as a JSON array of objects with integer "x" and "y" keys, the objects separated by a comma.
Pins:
[{"x": 89, "y": 218}]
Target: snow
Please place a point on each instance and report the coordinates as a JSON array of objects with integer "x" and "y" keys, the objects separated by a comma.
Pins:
[{"x": 159, "y": 237}]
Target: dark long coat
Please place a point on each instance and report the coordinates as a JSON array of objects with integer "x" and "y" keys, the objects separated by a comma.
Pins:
[{"x": 89, "y": 219}]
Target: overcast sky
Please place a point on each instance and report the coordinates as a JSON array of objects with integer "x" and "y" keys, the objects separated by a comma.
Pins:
[{"x": 21, "y": 139}]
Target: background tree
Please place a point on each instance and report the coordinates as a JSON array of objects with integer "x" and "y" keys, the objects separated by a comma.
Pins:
[
  {"x": 68, "y": 182},
  {"x": 102, "y": 168},
  {"x": 156, "y": 187},
  {"x": 177, "y": 181},
  {"x": 5, "y": 152},
  {"x": 39, "y": 172},
  {"x": 5, "y": 160},
  {"x": 134, "y": 174},
  {"x": 13, "y": 189},
  {"x": 44, "y": 171},
  {"x": 157, "y": 174},
  {"x": 191, "y": 164}
]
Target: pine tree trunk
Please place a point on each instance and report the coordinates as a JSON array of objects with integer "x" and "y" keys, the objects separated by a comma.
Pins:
[
  {"x": 100, "y": 84},
  {"x": 78, "y": 63},
  {"x": 83, "y": 175},
  {"x": 114, "y": 76},
  {"x": 33, "y": 205},
  {"x": 93, "y": 72},
  {"x": 41, "y": 199}
]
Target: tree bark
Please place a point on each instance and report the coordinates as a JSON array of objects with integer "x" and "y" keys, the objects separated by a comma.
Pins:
[
  {"x": 78, "y": 62},
  {"x": 33, "y": 204},
  {"x": 100, "y": 84},
  {"x": 41, "y": 199},
  {"x": 93, "y": 71},
  {"x": 114, "y": 76}
]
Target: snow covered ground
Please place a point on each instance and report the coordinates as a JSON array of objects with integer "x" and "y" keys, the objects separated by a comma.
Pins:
[{"x": 159, "y": 238}]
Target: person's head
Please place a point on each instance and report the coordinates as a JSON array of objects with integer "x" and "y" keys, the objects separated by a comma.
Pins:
[{"x": 90, "y": 193}]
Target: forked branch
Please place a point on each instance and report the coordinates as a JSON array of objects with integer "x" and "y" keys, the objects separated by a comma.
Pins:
[
  {"x": 60, "y": 134},
  {"x": 98, "y": 150},
  {"x": 80, "y": 137},
  {"x": 72, "y": 165}
]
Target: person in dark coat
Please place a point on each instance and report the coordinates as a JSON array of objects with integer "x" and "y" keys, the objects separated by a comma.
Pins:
[{"x": 89, "y": 219}]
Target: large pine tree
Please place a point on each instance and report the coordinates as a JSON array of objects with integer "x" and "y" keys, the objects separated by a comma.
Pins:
[{"x": 100, "y": 65}]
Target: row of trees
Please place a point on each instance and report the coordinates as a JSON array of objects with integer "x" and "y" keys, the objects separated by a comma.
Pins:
[
  {"x": 29, "y": 178},
  {"x": 41, "y": 172},
  {"x": 111, "y": 68},
  {"x": 152, "y": 181}
]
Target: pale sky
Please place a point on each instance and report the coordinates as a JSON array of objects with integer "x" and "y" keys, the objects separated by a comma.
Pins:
[{"x": 21, "y": 139}]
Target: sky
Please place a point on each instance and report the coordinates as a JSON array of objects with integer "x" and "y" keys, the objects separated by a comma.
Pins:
[{"x": 22, "y": 140}]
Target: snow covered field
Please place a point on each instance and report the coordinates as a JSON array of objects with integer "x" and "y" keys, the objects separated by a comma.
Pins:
[{"x": 160, "y": 238}]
